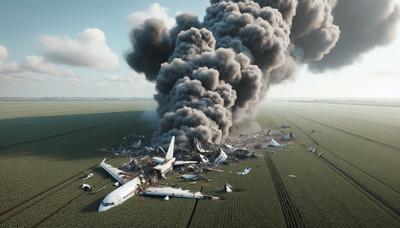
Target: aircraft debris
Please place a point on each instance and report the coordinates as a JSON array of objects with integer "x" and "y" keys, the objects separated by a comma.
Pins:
[
  {"x": 288, "y": 137},
  {"x": 199, "y": 146},
  {"x": 244, "y": 172},
  {"x": 313, "y": 149},
  {"x": 148, "y": 164},
  {"x": 204, "y": 160},
  {"x": 221, "y": 158},
  {"x": 273, "y": 143},
  {"x": 176, "y": 193},
  {"x": 194, "y": 177},
  {"x": 166, "y": 198},
  {"x": 89, "y": 175},
  {"x": 150, "y": 149},
  {"x": 86, "y": 187},
  {"x": 292, "y": 176},
  {"x": 227, "y": 188}
]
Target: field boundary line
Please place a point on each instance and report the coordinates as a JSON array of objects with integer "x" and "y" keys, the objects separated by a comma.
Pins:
[
  {"x": 291, "y": 213},
  {"x": 60, "y": 134}
]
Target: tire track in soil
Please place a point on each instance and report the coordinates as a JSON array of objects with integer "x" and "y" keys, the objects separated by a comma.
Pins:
[
  {"x": 291, "y": 213},
  {"x": 389, "y": 209},
  {"x": 62, "y": 207},
  {"x": 349, "y": 133},
  {"x": 341, "y": 158},
  {"x": 41, "y": 196},
  {"x": 59, "y": 209}
]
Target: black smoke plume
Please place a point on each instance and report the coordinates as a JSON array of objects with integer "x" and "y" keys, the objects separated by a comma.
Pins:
[
  {"x": 208, "y": 74},
  {"x": 364, "y": 25}
]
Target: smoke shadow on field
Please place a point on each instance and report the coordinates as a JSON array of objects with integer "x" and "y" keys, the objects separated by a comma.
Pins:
[{"x": 79, "y": 136}]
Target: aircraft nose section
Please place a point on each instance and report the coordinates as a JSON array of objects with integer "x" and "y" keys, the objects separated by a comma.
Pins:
[{"x": 103, "y": 208}]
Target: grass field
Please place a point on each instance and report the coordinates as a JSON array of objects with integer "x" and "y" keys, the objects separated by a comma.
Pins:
[{"x": 45, "y": 146}]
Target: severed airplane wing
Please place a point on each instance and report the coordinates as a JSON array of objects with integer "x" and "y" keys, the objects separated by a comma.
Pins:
[
  {"x": 114, "y": 172},
  {"x": 175, "y": 192},
  {"x": 176, "y": 163}
]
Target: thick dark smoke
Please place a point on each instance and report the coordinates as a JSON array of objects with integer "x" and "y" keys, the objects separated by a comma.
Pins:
[
  {"x": 208, "y": 74},
  {"x": 364, "y": 25}
]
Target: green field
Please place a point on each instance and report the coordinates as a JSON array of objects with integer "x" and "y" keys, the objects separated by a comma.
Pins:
[{"x": 45, "y": 147}]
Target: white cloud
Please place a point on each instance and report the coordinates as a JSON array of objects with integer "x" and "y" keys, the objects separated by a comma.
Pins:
[
  {"x": 131, "y": 77},
  {"x": 155, "y": 11},
  {"x": 88, "y": 49},
  {"x": 38, "y": 65},
  {"x": 3, "y": 53},
  {"x": 32, "y": 68}
]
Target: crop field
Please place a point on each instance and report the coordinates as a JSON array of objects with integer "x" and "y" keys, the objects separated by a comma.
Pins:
[{"x": 46, "y": 146}]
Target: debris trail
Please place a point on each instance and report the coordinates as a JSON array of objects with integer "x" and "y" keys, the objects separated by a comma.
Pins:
[{"x": 212, "y": 73}]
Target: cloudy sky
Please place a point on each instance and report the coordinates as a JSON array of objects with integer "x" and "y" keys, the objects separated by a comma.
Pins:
[{"x": 77, "y": 48}]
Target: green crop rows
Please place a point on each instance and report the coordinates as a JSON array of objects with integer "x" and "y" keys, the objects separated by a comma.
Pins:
[{"x": 45, "y": 147}]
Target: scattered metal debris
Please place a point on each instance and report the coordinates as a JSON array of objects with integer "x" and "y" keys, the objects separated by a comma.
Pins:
[
  {"x": 148, "y": 164},
  {"x": 245, "y": 171},
  {"x": 194, "y": 177},
  {"x": 86, "y": 187},
  {"x": 227, "y": 188},
  {"x": 89, "y": 175},
  {"x": 273, "y": 143},
  {"x": 288, "y": 137},
  {"x": 313, "y": 149}
]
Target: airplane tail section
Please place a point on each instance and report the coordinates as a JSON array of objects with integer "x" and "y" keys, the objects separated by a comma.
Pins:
[{"x": 170, "y": 152}]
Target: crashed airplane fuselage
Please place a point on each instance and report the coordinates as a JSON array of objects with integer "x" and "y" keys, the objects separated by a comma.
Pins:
[
  {"x": 130, "y": 187},
  {"x": 121, "y": 194}
]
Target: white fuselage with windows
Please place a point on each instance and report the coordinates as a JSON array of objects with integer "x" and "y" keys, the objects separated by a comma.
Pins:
[
  {"x": 130, "y": 188},
  {"x": 120, "y": 195}
]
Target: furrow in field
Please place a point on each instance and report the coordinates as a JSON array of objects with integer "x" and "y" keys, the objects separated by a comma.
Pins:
[
  {"x": 290, "y": 211},
  {"x": 8, "y": 213},
  {"x": 361, "y": 119},
  {"x": 58, "y": 209},
  {"x": 343, "y": 159},
  {"x": 348, "y": 132},
  {"x": 193, "y": 211},
  {"x": 376, "y": 198},
  {"x": 394, "y": 212}
]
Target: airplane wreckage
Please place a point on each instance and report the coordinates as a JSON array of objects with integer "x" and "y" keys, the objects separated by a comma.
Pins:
[{"x": 141, "y": 175}]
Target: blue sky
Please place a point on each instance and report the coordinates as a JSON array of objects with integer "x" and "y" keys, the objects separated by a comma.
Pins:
[{"x": 30, "y": 31}]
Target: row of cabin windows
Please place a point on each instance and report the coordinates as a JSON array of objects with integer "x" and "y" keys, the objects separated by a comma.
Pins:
[{"x": 108, "y": 204}]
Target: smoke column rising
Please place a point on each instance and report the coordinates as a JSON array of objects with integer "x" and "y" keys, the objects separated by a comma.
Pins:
[{"x": 208, "y": 74}]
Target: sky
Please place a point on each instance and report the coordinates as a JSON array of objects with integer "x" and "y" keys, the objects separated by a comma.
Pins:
[{"x": 76, "y": 49}]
